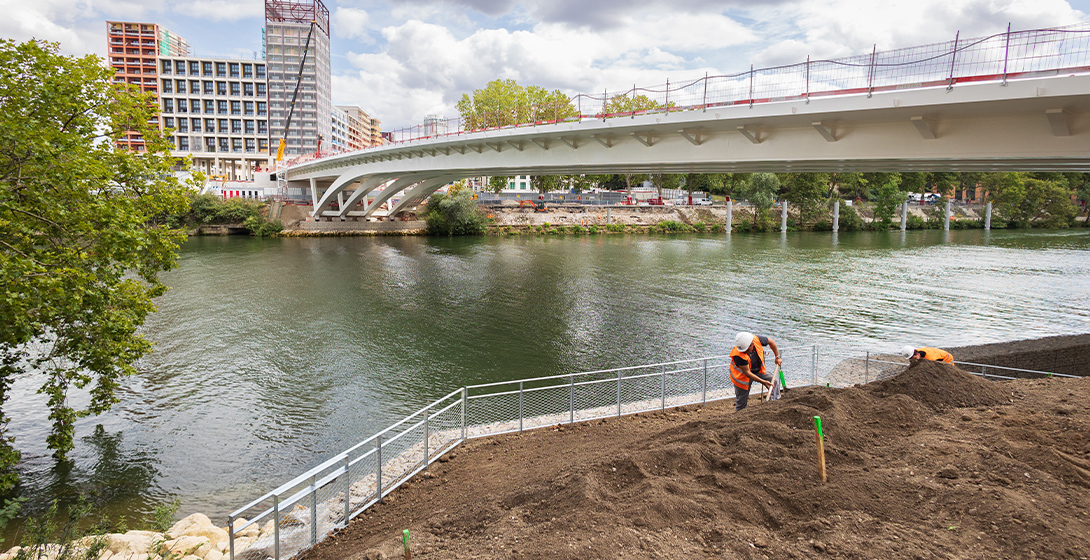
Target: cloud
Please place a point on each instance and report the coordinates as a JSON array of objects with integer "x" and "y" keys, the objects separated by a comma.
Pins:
[{"x": 352, "y": 23}]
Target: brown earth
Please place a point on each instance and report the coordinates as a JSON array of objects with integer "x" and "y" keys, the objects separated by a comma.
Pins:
[{"x": 933, "y": 463}]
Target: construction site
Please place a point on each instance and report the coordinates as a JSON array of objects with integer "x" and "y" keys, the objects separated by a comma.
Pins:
[{"x": 931, "y": 462}]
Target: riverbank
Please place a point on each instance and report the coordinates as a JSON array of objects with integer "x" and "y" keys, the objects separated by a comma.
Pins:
[{"x": 931, "y": 463}]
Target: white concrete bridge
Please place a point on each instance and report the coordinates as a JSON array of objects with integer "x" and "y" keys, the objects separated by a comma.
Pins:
[{"x": 1039, "y": 123}]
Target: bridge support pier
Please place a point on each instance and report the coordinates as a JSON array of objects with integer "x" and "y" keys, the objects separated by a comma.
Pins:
[
  {"x": 988, "y": 216},
  {"x": 836, "y": 216},
  {"x": 730, "y": 214},
  {"x": 946, "y": 221},
  {"x": 609, "y": 216},
  {"x": 783, "y": 217},
  {"x": 904, "y": 215}
]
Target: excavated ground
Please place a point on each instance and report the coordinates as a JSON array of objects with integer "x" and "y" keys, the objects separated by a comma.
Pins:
[{"x": 933, "y": 463}]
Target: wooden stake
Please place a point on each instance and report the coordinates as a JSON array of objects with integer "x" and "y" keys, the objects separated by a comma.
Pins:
[
  {"x": 405, "y": 541},
  {"x": 820, "y": 447}
]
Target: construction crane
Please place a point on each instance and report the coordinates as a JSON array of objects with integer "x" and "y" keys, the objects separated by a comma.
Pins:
[{"x": 295, "y": 94}]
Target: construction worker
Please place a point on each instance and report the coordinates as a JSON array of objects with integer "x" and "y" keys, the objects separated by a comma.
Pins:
[
  {"x": 747, "y": 365},
  {"x": 934, "y": 354}
]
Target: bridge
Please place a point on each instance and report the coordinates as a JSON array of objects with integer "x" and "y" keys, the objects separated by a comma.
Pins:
[{"x": 1016, "y": 101}]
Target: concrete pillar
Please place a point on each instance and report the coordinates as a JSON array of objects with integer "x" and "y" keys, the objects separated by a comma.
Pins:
[
  {"x": 836, "y": 216},
  {"x": 314, "y": 196},
  {"x": 730, "y": 215},
  {"x": 904, "y": 215},
  {"x": 783, "y": 216},
  {"x": 946, "y": 222},
  {"x": 609, "y": 215},
  {"x": 988, "y": 216}
]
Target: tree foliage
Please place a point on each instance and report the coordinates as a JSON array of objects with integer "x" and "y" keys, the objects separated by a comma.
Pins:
[
  {"x": 505, "y": 103},
  {"x": 454, "y": 213},
  {"x": 629, "y": 105},
  {"x": 761, "y": 193},
  {"x": 1026, "y": 201},
  {"x": 497, "y": 183},
  {"x": 546, "y": 183},
  {"x": 887, "y": 199},
  {"x": 81, "y": 246}
]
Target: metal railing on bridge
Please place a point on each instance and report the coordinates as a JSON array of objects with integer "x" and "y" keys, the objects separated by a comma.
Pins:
[
  {"x": 1000, "y": 57},
  {"x": 303, "y": 511}
]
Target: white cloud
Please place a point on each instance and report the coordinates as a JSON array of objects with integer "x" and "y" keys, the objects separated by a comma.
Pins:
[{"x": 352, "y": 23}]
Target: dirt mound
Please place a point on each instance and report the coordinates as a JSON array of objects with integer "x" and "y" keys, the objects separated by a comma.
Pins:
[
  {"x": 942, "y": 386},
  {"x": 911, "y": 475}
]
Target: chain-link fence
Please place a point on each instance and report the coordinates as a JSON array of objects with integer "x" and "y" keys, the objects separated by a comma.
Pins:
[{"x": 305, "y": 510}]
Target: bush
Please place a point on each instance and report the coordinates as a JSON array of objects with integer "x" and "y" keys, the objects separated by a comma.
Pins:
[
  {"x": 456, "y": 214},
  {"x": 593, "y": 229},
  {"x": 671, "y": 226},
  {"x": 699, "y": 227},
  {"x": 850, "y": 220},
  {"x": 915, "y": 222},
  {"x": 615, "y": 228},
  {"x": 261, "y": 227}
]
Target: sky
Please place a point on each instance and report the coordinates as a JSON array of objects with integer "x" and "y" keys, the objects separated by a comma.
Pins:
[{"x": 402, "y": 61}]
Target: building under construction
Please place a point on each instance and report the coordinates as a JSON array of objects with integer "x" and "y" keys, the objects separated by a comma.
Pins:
[{"x": 288, "y": 23}]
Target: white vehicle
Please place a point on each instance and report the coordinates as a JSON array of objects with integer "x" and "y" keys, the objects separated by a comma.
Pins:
[{"x": 702, "y": 201}]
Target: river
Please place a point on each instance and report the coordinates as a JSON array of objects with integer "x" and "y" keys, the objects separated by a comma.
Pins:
[{"x": 273, "y": 354}]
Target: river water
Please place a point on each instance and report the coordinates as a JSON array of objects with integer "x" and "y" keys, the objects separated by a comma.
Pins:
[{"x": 273, "y": 354}]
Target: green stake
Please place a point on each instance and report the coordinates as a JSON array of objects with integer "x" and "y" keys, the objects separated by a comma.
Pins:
[
  {"x": 783, "y": 382},
  {"x": 817, "y": 424},
  {"x": 820, "y": 436},
  {"x": 405, "y": 541}
]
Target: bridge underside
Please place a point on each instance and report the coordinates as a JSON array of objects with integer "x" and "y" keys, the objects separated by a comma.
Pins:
[{"x": 1033, "y": 125}]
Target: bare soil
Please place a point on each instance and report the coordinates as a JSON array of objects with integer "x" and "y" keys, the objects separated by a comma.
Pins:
[{"x": 933, "y": 463}]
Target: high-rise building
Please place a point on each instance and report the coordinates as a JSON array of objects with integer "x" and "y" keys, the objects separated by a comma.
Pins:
[
  {"x": 218, "y": 109},
  {"x": 134, "y": 50},
  {"x": 288, "y": 23}
]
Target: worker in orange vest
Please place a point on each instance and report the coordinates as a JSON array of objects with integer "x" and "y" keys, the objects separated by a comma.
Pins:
[
  {"x": 747, "y": 365},
  {"x": 934, "y": 354}
]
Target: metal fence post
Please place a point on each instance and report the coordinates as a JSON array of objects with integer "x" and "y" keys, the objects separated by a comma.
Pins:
[
  {"x": 866, "y": 369},
  {"x": 667, "y": 96},
  {"x": 520, "y": 406},
  {"x": 664, "y": 388},
  {"x": 378, "y": 468},
  {"x": 705, "y": 104},
  {"x": 1006, "y": 54},
  {"x": 704, "y": 388},
  {"x": 751, "y": 85},
  {"x": 807, "y": 78},
  {"x": 571, "y": 399},
  {"x": 231, "y": 535},
  {"x": 953, "y": 60},
  {"x": 465, "y": 405},
  {"x": 619, "y": 394},
  {"x": 276, "y": 527},
  {"x": 870, "y": 77},
  {"x": 813, "y": 366},
  {"x": 313, "y": 509},
  {"x": 427, "y": 414},
  {"x": 347, "y": 491},
  {"x": 984, "y": 371}
]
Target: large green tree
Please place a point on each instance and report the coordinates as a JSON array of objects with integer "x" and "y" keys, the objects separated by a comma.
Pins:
[
  {"x": 761, "y": 191},
  {"x": 631, "y": 104},
  {"x": 505, "y": 103},
  {"x": 1027, "y": 201},
  {"x": 81, "y": 245}
]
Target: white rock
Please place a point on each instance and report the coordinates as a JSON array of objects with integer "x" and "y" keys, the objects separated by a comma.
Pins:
[
  {"x": 134, "y": 541},
  {"x": 213, "y": 555},
  {"x": 10, "y": 553},
  {"x": 182, "y": 527},
  {"x": 186, "y": 546},
  {"x": 251, "y": 531}
]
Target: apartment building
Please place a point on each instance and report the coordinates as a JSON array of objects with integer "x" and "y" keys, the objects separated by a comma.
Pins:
[
  {"x": 288, "y": 23},
  {"x": 134, "y": 49},
  {"x": 219, "y": 111},
  {"x": 362, "y": 130}
]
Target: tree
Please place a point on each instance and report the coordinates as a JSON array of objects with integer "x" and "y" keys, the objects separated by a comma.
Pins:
[
  {"x": 545, "y": 183},
  {"x": 455, "y": 213},
  {"x": 497, "y": 183},
  {"x": 1025, "y": 201},
  {"x": 761, "y": 193},
  {"x": 625, "y": 105},
  {"x": 505, "y": 103},
  {"x": 665, "y": 181},
  {"x": 887, "y": 198},
  {"x": 706, "y": 182},
  {"x": 805, "y": 189},
  {"x": 849, "y": 185},
  {"x": 82, "y": 238}
]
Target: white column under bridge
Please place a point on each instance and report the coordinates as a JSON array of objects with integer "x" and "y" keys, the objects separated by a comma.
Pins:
[{"x": 1034, "y": 124}]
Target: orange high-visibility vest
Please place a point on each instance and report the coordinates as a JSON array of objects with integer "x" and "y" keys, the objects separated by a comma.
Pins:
[
  {"x": 736, "y": 376},
  {"x": 936, "y": 355}
]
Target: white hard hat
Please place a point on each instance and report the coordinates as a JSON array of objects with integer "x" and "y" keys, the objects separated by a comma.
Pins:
[
  {"x": 907, "y": 351},
  {"x": 743, "y": 341}
]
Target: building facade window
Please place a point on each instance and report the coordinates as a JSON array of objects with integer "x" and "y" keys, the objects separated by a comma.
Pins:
[
  {"x": 183, "y": 143},
  {"x": 209, "y": 106},
  {"x": 222, "y": 126},
  {"x": 195, "y": 105},
  {"x": 248, "y": 90},
  {"x": 181, "y": 86},
  {"x": 259, "y": 71},
  {"x": 168, "y": 105},
  {"x": 234, "y": 69},
  {"x": 168, "y": 86},
  {"x": 249, "y": 127},
  {"x": 182, "y": 106},
  {"x": 236, "y": 126},
  {"x": 168, "y": 122},
  {"x": 225, "y": 146},
  {"x": 221, "y": 107},
  {"x": 236, "y": 145},
  {"x": 235, "y": 90},
  {"x": 262, "y": 127},
  {"x": 221, "y": 88},
  {"x": 248, "y": 108},
  {"x": 196, "y": 125},
  {"x": 261, "y": 108},
  {"x": 236, "y": 107},
  {"x": 207, "y": 87},
  {"x": 249, "y": 145},
  {"x": 221, "y": 69},
  {"x": 179, "y": 67},
  {"x": 194, "y": 68},
  {"x": 261, "y": 90},
  {"x": 183, "y": 125},
  {"x": 166, "y": 66},
  {"x": 206, "y": 69},
  {"x": 247, "y": 70}
]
